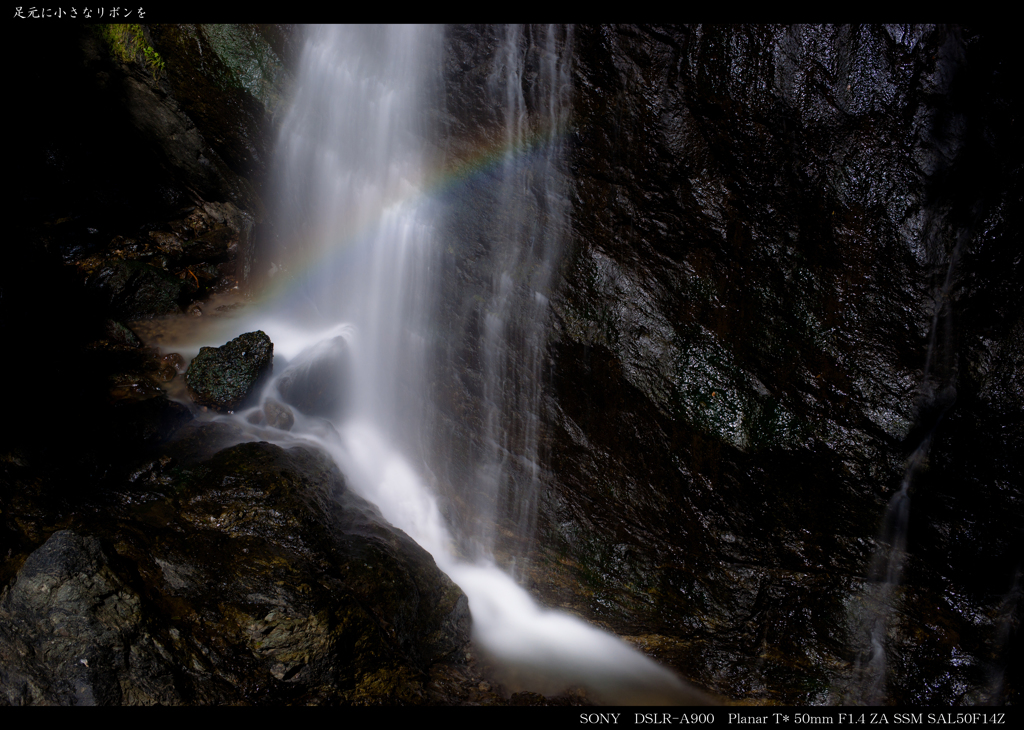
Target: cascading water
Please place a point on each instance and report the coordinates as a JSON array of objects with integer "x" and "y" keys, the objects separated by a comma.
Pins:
[
  {"x": 532, "y": 212},
  {"x": 359, "y": 246},
  {"x": 936, "y": 394},
  {"x": 356, "y": 276}
]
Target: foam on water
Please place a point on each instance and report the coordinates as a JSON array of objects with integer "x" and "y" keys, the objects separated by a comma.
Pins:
[{"x": 535, "y": 649}]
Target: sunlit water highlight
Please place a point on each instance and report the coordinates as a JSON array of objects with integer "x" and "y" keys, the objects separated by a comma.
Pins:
[{"x": 353, "y": 161}]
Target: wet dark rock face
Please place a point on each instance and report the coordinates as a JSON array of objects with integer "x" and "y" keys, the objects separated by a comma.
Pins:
[
  {"x": 228, "y": 378},
  {"x": 316, "y": 382},
  {"x": 778, "y": 241},
  {"x": 136, "y": 290},
  {"x": 146, "y": 144},
  {"x": 794, "y": 255},
  {"x": 317, "y": 599},
  {"x": 67, "y": 609}
]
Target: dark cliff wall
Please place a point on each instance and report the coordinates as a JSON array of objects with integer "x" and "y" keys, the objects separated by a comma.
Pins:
[
  {"x": 794, "y": 259},
  {"x": 117, "y": 158},
  {"x": 774, "y": 292}
]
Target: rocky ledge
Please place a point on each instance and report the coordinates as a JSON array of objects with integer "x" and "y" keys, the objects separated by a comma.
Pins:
[{"x": 252, "y": 575}]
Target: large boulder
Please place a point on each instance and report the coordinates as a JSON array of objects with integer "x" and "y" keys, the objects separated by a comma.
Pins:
[
  {"x": 316, "y": 382},
  {"x": 252, "y": 576},
  {"x": 71, "y": 632},
  {"x": 227, "y": 378}
]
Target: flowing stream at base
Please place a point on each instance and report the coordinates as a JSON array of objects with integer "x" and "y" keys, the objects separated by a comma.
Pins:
[{"x": 357, "y": 272}]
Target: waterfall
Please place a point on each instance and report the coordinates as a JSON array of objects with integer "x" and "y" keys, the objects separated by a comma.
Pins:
[
  {"x": 530, "y": 210},
  {"x": 359, "y": 246},
  {"x": 355, "y": 275},
  {"x": 936, "y": 394}
]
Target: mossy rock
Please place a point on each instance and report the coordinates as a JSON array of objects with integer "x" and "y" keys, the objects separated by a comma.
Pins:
[
  {"x": 227, "y": 378},
  {"x": 256, "y": 578}
]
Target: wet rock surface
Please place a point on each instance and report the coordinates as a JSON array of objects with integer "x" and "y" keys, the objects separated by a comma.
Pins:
[
  {"x": 226, "y": 378},
  {"x": 752, "y": 337},
  {"x": 68, "y": 610},
  {"x": 771, "y": 293},
  {"x": 316, "y": 382},
  {"x": 278, "y": 415},
  {"x": 138, "y": 291},
  {"x": 318, "y": 599}
]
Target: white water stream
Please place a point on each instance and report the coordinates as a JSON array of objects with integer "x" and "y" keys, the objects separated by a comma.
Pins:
[
  {"x": 359, "y": 262},
  {"x": 936, "y": 395}
]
